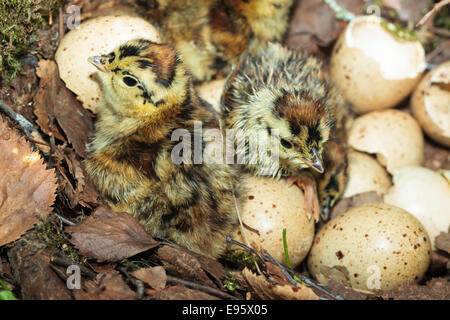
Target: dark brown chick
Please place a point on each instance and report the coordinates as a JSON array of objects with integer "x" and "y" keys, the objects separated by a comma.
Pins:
[
  {"x": 285, "y": 97},
  {"x": 149, "y": 95},
  {"x": 212, "y": 34}
]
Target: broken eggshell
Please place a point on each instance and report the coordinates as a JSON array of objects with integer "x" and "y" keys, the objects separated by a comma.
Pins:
[
  {"x": 393, "y": 135},
  {"x": 425, "y": 194},
  {"x": 365, "y": 174},
  {"x": 372, "y": 67},
  {"x": 271, "y": 206},
  {"x": 95, "y": 37},
  {"x": 211, "y": 92},
  {"x": 373, "y": 246},
  {"x": 430, "y": 104}
]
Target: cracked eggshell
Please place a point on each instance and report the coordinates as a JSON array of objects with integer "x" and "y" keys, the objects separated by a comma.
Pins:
[
  {"x": 372, "y": 67},
  {"x": 393, "y": 135},
  {"x": 211, "y": 92},
  {"x": 96, "y": 36},
  {"x": 430, "y": 104},
  {"x": 365, "y": 174},
  {"x": 379, "y": 246},
  {"x": 270, "y": 207},
  {"x": 425, "y": 194}
]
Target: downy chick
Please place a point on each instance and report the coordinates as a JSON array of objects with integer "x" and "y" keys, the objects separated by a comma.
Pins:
[
  {"x": 284, "y": 96},
  {"x": 212, "y": 34},
  {"x": 149, "y": 95}
]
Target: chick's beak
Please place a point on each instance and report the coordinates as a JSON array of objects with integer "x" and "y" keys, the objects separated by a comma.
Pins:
[
  {"x": 99, "y": 63},
  {"x": 315, "y": 162}
]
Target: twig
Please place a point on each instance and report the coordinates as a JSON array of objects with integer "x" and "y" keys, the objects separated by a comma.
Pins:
[
  {"x": 200, "y": 287},
  {"x": 439, "y": 48},
  {"x": 441, "y": 32},
  {"x": 243, "y": 246},
  {"x": 286, "y": 274},
  {"x": 31, "y": 133},
  {"x": 138, "y": 284},
  {"x": 62, "y": 261},
  {"x": 341, "y": 13},
  {"x": 250, "y": 228},
  {"x": 269, "y": 258},
  {"x": 26, "y": 125},
  {"x": 64, "y": 220},
  {"x": 432, "y": 12},
  {"x": 61, "y": 24}
]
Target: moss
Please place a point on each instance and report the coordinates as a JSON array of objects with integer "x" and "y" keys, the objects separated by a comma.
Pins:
[
  {"x": 231, "y": 283},
  {"x": 442, "y": 19},
  {"x": 399, "y": 31},
  {"x": 19, "y": 20},
  {"x": 241, "y": 258},
  {"x": 51, "y": 234}
]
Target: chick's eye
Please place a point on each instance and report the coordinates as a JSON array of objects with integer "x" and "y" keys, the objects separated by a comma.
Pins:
[
  {"x": 129, "y": 81},
  {"x": 285, "y": 143}
]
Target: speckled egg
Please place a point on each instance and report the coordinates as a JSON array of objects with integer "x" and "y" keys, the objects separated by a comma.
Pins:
[
  {"x": 365, "y": 174},
  {"x": 372, "y": 67},
  {"x": 381, "y": 247},
  {"x": 211, "y": 92},
  {"x": 430, "y": 104},
  {"x": 271, "y": 206},
  {"x": 392, "y": 135}
]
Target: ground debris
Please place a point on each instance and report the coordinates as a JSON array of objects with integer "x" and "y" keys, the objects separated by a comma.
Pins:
[
  {"x": 107, "y": 286},
  {"x": 55, "y": 100},
  {"x": 270, "y": 291},
  {"x": 30, "y": 265},
  {"x": 27, "y": 188},
  {"x": 435, "y": 289},
  {"x": 110, "y": 236}
]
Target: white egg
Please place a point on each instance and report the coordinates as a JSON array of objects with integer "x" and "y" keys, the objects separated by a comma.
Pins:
[
  {"x": 372, "y": 67},
  {"x": 393, "y": 135},
  {"x": 425, "y": 194}
]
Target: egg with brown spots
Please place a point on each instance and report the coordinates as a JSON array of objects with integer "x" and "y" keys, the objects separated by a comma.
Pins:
[
  {"x": 378, "y": 246},
  {"x": 393, "y": 136},
  {"x": 211, "y": 92},
  {"x": 430, "y": 104},
  {"x": 372, "y": 67},
  {"x": 271, "y": 206}
]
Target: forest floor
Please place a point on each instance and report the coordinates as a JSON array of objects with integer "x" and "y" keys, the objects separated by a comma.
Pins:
[{"x": 117, "y": 260}]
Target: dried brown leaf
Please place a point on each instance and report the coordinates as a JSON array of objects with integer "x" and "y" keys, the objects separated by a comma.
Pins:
[
  {"x": 27, "y": 189},
  {"x": 155, "y": 277},
  {"x": 268, "y": 291},
  {"x": 53, "y": 98},
  {"x": 436, "y": 157},
  {"x": 411, "y": 10},
  {"x": 354, "y": 201},
  {"x": 315, "y": 25},
  {"x": 347, "y": 293},
  {"x": 30, "y": 266},
  {"x": 183, "y": 265},
  {"x": 107, "y": 286},
  {"x": 110, "y": 236},
  {"x": 442, "y": 242},
  {"x": 180, "y": 292},
  {"x": 435, "y": 289}
]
